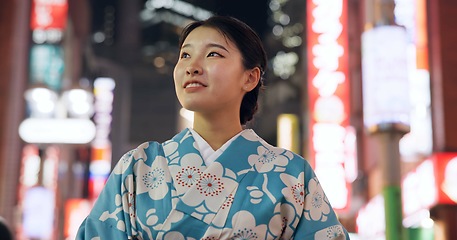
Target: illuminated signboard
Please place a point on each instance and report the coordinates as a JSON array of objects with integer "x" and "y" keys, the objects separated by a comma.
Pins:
[
  {"x": 49, "y": 14},
  {"x": 55, "y": 130},
  {"x": 414, "y": 201},
  {"x": 38, "y": 213},
  {"x": 47, "y": 65},
  {"x": 48, "y": 19},
  {"x": 385, "y": 77},
  {"x": 76, "y": 210},
  {"x": 436, "y": 178},
  {"x": 446, "y": 177},
  {"x": 432, "y": 182},
  {"x": 331, "y": 138},
  {"x": 100, "y": 165},
  {"x": 418, "y": 142},
  {"x": 370, "y": 220},
  {"x": 288, "y": 132}
]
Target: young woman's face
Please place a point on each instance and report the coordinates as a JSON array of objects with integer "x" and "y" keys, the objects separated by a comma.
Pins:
[{"x": 209, "y": 75}]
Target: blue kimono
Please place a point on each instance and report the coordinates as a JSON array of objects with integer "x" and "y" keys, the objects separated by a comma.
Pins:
[{"x": 252, "y": 191}]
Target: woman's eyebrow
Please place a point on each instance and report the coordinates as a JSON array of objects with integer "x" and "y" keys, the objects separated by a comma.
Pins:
[
  {"x": 218, "y": 46},
  {"x": 207, "y": 46}
]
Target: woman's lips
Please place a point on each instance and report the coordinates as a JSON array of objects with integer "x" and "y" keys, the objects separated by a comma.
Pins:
[{"x": 193, "y": 84}]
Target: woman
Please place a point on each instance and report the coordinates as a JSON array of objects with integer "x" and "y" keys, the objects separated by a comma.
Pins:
[{"x": 216, "y": 180}]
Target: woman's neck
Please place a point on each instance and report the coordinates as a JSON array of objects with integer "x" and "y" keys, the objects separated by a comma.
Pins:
[{"x": 217, "y": 130}]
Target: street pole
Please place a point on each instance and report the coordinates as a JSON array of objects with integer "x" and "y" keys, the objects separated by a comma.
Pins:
[
  {"x": 390, "y": 77},
  {"x": 388, "y": 137}
]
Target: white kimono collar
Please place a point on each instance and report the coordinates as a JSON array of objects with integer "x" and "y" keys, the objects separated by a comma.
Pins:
[{"x": 208, "y": 154}]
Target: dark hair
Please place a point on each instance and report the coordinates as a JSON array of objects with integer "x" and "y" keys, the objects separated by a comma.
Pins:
[
  {"x": 5, "y": 231},
  {"x": 252, "y": 52}
]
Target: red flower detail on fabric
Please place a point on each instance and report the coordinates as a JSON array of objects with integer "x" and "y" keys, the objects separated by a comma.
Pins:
[
  {"x": 228, "y": 201},
  {"x": 210, "y": 185},
  {"x": 298, "y": 192},
  {"x": 188, "y": 176},
  {"x": 131, "y": 199},
  {"x": 283, "y": 225}
]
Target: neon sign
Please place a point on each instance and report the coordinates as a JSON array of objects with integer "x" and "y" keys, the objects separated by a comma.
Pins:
[
  {"x": 331, "y": 150},
  {"x": 49, "y": 14},
  {"x": 100, "y": 165}
]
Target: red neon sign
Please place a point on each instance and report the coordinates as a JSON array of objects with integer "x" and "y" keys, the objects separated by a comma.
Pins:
[
  {"x": 436, "y": 178},
  {"x": 446, "y": 177},
  {"x": 76, "y": 210},
  {"x": 49, "y": 14},
  {"x": 331, "y": 138}
]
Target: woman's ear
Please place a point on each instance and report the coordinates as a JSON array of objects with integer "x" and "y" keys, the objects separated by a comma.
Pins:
[{"x": 252, "y": 80}]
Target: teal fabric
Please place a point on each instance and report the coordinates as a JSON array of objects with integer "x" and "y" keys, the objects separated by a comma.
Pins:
[{"x": 252, "y": 191}]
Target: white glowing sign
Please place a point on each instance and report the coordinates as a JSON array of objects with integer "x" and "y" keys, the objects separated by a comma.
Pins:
[
  {"x": 332, "y": 139},
  {"x": 422, "y": 178},
  {"x": 55, "y": 130},
  {"x": 38, "y": 213},
  {"x": 418, "y": 142},
  {"x": 100, "y": 165},
  {"x": 371, "y": 222},
  {"x": 385, "y": 76},
  {"x": 287, "y": 132},
  {"x": 103, "y": 91}
]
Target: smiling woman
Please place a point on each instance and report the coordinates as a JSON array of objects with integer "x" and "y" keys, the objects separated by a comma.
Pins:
[
  {"x": 211, "y": 67},
  {"x": 218, "y": 179}
]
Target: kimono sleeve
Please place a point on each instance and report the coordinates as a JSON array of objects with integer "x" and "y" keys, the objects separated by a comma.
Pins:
[
  {"x": 318, "y": 220},
  {"x": 110, "y": 215}
]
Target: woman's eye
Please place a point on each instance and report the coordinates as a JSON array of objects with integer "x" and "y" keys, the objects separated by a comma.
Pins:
[
  {"x": 214, "y": 54},
  {"x": 184, "y": 55}
]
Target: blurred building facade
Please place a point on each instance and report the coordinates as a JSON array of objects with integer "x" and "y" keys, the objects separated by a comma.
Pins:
[{"x": 133, "y": 43}]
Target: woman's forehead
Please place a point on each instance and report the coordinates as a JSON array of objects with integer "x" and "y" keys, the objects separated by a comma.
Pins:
[{"x": 208, "y": 34}]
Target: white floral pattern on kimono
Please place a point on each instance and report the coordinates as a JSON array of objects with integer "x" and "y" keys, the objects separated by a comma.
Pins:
[{"x": 252, "y": 191}]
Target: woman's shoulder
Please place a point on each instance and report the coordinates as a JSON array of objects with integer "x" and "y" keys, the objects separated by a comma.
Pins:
[
  {"x": 141, "y": 150},
  {"x": 149, "y": 150},
  {"x": 145, "y": 152},
  {"x": 296, "y": 160},
  {"x": 251, "y": 135}
]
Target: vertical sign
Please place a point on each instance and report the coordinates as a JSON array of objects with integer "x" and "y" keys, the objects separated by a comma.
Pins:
[
  {"x": 38, "y": 193},
  {"x": 328, "y": 92},
  {"x": 385, "y": 77},
  {"x": 288, "y": 128},
  {"x": 418, "y": 142},
  {"x": 100, "y": 165},
  {"x": 48, "y": 20}
]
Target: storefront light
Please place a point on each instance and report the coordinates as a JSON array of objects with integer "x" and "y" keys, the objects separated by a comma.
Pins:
[
  {"x": 57, "y": 130},
  {"x": 288, "y": 130},
  {"x": 55, "y": 118},
  {"x": 41, "y": 101},
  {"x": 79, "y": 103}
]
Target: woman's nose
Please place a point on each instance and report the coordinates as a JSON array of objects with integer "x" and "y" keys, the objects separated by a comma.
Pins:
[{"x": 193, "y": 70}]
